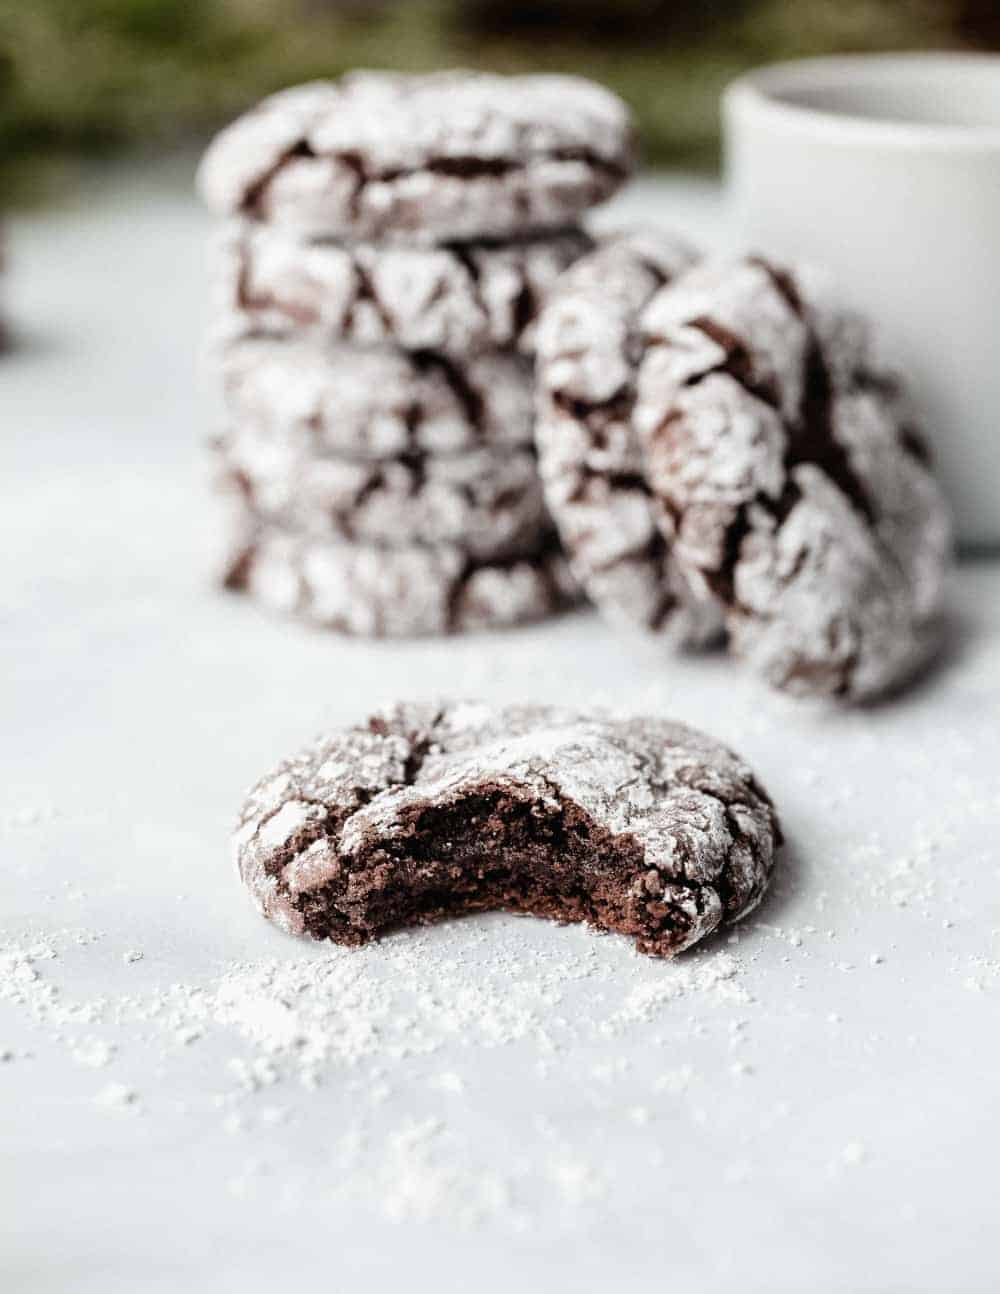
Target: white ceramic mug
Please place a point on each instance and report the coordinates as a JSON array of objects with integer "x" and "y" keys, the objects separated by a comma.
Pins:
[{"x": 886, "y": 169}]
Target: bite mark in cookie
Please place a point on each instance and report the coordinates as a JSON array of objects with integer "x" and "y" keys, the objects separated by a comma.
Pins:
[{"x": 639, "y": 826}]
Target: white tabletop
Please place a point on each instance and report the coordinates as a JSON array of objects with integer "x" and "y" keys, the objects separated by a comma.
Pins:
[{"x": 808, "y": 1103}]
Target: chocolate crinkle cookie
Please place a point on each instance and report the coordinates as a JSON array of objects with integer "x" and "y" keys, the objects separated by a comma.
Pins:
[
  {"x": 391, "y": 591},
  {"x": 589, "y": 343},
  {"x": 374, "y": 402},
  {"x": 459, "y": 299},
  {"x": 450, "y": 155},
  {"x": 789, "y": 481},
  {"x": 487, "y": 500},
  {"x": 640, "y": 826}
]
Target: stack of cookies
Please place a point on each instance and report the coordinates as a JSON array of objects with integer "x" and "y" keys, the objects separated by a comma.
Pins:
[{"x": 389, "y": 241}]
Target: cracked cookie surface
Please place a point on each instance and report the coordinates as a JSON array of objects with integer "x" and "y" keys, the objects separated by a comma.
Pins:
[
  {"x": 789, "y": 480},
  {"x": 377, "y": 402},
  {"x": 428, "y": 158},
  {"x": 588, "y": 345},
  {"x": 640, "y": 826},
  {"x": 457, "y": 299},
  {"x": 488, "y": 502},
  {"x": 391, "y": 592}
]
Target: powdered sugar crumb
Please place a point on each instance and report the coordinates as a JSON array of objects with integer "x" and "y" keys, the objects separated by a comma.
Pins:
[
  {"x": 94, "y": 1053},
  {"x": 116, "y": 1096}
]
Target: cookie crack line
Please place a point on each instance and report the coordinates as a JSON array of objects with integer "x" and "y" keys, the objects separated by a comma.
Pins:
[
  {"x": 471, "y": 168},
  {"x": 814, "y": 440},
  {"x": 461, "y": 168},
  {"x": 468, "y": 398},
  {"x": 810, "y": 436},
  {"x": 249, "y": 301},
  {"x": 366, "y": 291},
  {"x": 641, "y": 827}
]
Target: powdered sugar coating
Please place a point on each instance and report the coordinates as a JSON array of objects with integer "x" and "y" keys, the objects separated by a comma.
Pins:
[
  {"x": 377, "y": 402},
  {"x": 487, "y": 501},
  {"x": 450, "y": 155},
  {"x": 589, "y": 456},
  {"x": 789, "y": 480},
  {"x": 405, "y": 591},
  {"x": 457, "y": 300},
  {"x": 700, "y": 831}
]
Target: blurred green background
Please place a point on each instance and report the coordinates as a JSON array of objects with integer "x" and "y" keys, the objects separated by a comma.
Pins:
[{"x": 88, "y": 77}]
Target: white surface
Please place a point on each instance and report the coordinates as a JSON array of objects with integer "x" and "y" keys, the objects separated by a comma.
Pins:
[
  {"x": 822, "y": 1118},
  {"x": 886, "y": 168}
]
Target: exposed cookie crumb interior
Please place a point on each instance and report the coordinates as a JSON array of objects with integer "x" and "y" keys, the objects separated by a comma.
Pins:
[{"x": 491, "y": 849}]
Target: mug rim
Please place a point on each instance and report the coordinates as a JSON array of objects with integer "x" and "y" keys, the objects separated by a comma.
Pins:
[{"x": 757, "y": 95}]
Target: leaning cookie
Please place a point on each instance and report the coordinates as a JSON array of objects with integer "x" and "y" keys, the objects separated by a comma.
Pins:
[
  {"x": 450, "y": 155},
  {"x": 587, "y": 344},
  {"x": 377, "y": 402},
  {"x": 459, "y": 299},
  {"x": 489, "y": 501},
  {"x": 640, "y": 826},
  {"x": 789, "y": 480},
  {"x": 404, "y": 592}
]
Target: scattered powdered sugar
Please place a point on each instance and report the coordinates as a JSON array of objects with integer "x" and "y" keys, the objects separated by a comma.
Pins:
[
  {"x": 116, "y": 1096},
  {"x": 718, "y": 977},
  {"x": 94, "y": 1053},
  {"x": 26, "y": 815},
  {"x": 22, "y": 985},
  {"x": 854, "y": 1155},
  {"x": 365, "y": 1022},
  {"x": 306, "y": 1017},
  {"x": 980, "y": 974}
]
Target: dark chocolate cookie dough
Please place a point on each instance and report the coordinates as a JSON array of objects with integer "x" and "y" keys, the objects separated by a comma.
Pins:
[{"x": 639, "y": 826}]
